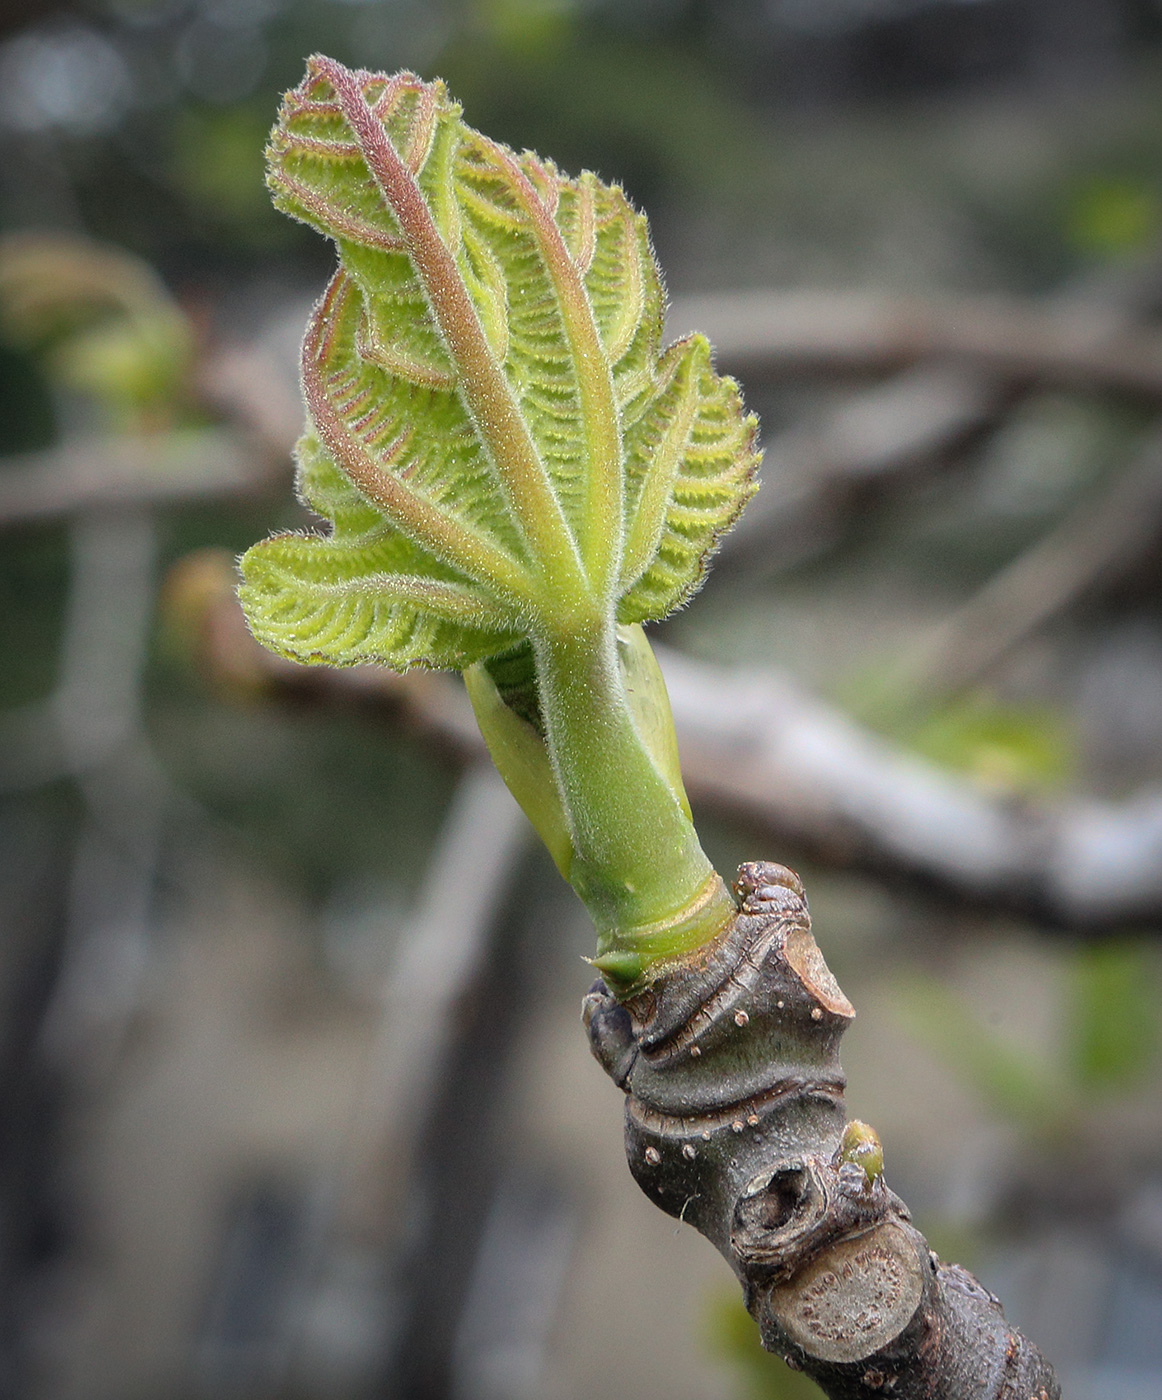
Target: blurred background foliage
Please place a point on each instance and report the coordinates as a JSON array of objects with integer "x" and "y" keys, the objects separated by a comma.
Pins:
[{"x": 1003, "y": 147}]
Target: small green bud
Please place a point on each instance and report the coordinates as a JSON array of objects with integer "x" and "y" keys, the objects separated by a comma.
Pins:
[
  {"x": 861, "y": 1145},
  {"x": 619, "y": 969}
]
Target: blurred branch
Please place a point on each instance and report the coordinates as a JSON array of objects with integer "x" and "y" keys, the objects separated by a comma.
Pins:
[
  {"x": 110, "y": 336},
  {"x": 921, "y": 416},
  {"x": 767, "y": 334},
  {"x": 159, "y": 468},
  {"x": 255, "y": 390},
  {"x": 446, "y": 969},
  {"x": 446, "y": 958},
  {"x": 1096, "y": 540},
  {"x": 960, "y": 364},
  {"x": 439, "y": 956},
  {"x": 756, "y": 745},
  {"x": 165, "y": 468},
  {"x": 95, "y": 708},
  {"x": 812, "y": 478}
]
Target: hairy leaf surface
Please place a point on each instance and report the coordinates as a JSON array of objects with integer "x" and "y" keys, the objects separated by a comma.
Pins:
[{"x": 495, "y": 432}]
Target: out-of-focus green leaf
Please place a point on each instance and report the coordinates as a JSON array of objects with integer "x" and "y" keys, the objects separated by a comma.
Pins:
[
  {"x": 1012, "y": 1081},
  {"x": 734, "y": 1336},
  {"x": 102, "y": 321},
  {"x": 1114, "y": 1019},
  {"x": 1112, "y": 217},
  {"x": 527, "y": 26},
  {"x": 1003, "y": 747}
]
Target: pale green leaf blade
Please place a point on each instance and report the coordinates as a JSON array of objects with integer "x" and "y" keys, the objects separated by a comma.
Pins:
[
  {"x": 486, "y": 372},
  {"x": 318, "y": 600},
  {"x": 366, "y": 593},
  {"x": 691, "y": 458},
  {"x": 409, "y": 451},
  {"x": 624, "y": 285},
  {"x": 435, "y": 311}
]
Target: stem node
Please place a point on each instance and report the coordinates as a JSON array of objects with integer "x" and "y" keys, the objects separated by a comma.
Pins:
[{"x": 735, "y": 1122}]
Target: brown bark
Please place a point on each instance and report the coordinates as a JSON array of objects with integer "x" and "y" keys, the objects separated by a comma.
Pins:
[{"x": 735, "y": 1123}]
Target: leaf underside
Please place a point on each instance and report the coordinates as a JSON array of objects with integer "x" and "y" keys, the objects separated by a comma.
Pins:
[{"x": 492, "y": 419}]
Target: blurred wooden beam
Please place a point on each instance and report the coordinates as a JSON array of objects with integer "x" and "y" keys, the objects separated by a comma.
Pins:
[
  {"x": 119, "y": 471},
  {"x": 769, "y": 333}
]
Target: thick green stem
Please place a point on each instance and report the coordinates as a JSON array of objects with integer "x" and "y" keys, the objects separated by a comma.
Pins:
[
  {"x": 637, "y": 862},
  {"x": 602, "y": 786}
]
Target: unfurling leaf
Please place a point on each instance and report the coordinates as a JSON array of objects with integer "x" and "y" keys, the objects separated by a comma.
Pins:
[{"x": 495, "y": 431}]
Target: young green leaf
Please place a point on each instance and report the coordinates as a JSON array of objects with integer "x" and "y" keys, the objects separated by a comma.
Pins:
[
  {"x": 500, "y": 442},
  {"x": 515, "y": 473}
]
